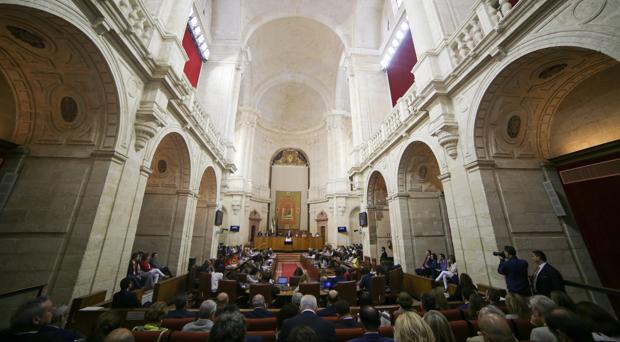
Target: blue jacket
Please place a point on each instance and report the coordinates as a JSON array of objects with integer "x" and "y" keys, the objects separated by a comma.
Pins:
[
  {"x": 323, "y": 329},
  {"x": 515, "y": 271},
  {"x": 259, "y": 313},
  {"x": 365, "y": 282}
]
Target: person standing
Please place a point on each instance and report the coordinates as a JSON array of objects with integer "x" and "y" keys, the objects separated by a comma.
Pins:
[
  {"x": 546, "y": 278},
  {"x": 515, "y": 271}
]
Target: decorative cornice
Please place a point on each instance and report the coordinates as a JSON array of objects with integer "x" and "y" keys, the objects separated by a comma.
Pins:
[{"x": 480, "y": 164}]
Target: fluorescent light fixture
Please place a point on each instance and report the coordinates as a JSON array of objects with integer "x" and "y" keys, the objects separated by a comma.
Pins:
[
  {"x": 384, "y": 64},
  {"x": 400, "y": 35},
  {"x": 193, "y": 21},
  {"x": 395, "y": 43},
  {"x": 404, "y": 26},
  {"x": 391, "y": 50},
  {"x": 197, "y": 30},
  {"x": 199, "y": 37}
]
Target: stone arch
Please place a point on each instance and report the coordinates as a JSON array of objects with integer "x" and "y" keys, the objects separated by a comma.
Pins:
[
  {"x": 379, "y": 233},
  {"x": 163, "y": 225},
  {"x": 253, "y": 25},
  {"x": 204, "y": 219},
  {"x": 67, "y": 93},
  {"x": 423, "y": 219}
]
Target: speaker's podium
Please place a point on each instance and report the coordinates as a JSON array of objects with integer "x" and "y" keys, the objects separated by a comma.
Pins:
[{"x": 289, "y": 244}]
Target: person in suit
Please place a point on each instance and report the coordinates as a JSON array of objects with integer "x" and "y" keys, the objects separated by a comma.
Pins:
[
  {"x": 345, "y": 319},
  {"x": 330, "y": 310},
  {"x": 364, "y": 283},
  {"x": 339, "y": 276},
  {"x": 126, "y": 298},
  {"x": 179, "y": 309},
  {"x": 546, "y": 277},
  {"x": 371, "y": 320},
  {"x": 308, "y": 316},
  {"x": 260, "y": 308},
  {"x": 230, "y": 327},
  {"x": 423, "y": 271},
  {"x": 515, "y": 272}
]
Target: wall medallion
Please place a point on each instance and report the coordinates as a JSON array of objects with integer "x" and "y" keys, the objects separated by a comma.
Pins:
[
  {"x": 68, "y": 109},
  {"x": 162, "y": 166},
  {"x": 514, "y": 126},
  {"x": 26, "y": 37}
]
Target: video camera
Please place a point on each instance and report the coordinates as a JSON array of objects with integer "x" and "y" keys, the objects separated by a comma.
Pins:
[{"x": 501, "y": 254}]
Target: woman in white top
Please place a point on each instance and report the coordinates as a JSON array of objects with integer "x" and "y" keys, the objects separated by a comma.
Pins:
[
  {"x": 216, "y": 276},
  {"x": 445, "y": 275}
]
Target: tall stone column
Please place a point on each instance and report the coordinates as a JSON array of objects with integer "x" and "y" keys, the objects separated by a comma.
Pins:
[
  {"x": 402, "y": 234},
  {"x": 337, "y": 177},
  {"x": 182, "y": 230},
  {"x": 241, "y": 180}
]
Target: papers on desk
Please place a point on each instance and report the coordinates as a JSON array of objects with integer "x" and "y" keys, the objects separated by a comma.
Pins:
[{"x": 92, "y": 308}]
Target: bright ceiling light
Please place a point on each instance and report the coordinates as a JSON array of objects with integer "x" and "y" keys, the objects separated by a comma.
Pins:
[
  {"x": 400, "y": 35},
  {"x": 193, "y": 21},
  {"x": 404, "y": 26},
  {"x": 384, "y": 64},
  {"x": 391, "y": 50},
  {"x": 395, "y": 43},
  {"x": 197, "y": 30},
  {"x": 199, "y": 37}
]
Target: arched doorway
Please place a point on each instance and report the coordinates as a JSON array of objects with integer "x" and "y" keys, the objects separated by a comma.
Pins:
[
  {"x": 202, "y": 236},
  {"x": 60, "y": 110},
  {"x": 321, "y": 224},
  {"x": 556, "y": 107},
  {"x": 163, "y": 215},
  {"x": 254, "y": 224},
  {"x": 423, "y": 218},
  {"x": 379, "y": 229}
]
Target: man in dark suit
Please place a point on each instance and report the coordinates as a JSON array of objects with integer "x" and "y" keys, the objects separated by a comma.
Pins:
[
  {"x": 546, "y": 277},
  {"x": 260, "y": 308},
  {"x": 515, "y": 271},
  {"x": 179, "y": 309},
  {"x": 364, "y": 283},
  {"x": 330, "y": 310},
  {"x": 308, "y": 316},
  {"x": 345, "y": 319},
  {"x": 125, "y": 298},
  {"x": 371, "y": 320}
]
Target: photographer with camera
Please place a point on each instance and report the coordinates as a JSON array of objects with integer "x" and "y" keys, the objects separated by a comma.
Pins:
[{"x": 515, "y": 271}]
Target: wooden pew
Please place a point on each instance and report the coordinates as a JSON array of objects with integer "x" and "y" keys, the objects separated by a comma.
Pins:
[
  {"x": 416, "y": 285},
  {"x": 482, "y": 288},
  {"x": 167, "y": 290},
  {"x": 93, "y": 299}
]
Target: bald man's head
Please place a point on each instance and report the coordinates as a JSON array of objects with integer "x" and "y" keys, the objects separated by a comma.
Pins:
[
  {"x": 119, "y": 335},
  {"x": 222, "y": 299},
  {"x": 495, "y": 328},
  {"x": 332, "y": 296}
]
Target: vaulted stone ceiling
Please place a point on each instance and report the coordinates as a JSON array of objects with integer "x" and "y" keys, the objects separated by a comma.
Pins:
[{"x": 294, "y": 71}]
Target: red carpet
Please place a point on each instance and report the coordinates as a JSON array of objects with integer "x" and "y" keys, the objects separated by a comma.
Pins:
[{"x": 287, "y": 268}]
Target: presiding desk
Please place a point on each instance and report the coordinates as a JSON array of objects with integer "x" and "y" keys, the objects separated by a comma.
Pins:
[{"x": 297, "y": 243}]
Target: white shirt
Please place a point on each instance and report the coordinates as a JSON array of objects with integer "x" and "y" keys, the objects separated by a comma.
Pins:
[
  {"x": 215, "y": 280},
  {"x": 540, "y": 267}
]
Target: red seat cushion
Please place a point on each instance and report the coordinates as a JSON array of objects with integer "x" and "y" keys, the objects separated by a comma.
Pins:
[
  {"x": 387, "y": 331},
  {"x": 461, "y": 330},
  {"x": 260, "y": 324},
  {"x": 150, "y": 336},
  {"x": 343, "y": 335},
  {"x": 188, "y": 336},
  {"x": 453, "y": 314},
  {"x": 176, "y": 323}
]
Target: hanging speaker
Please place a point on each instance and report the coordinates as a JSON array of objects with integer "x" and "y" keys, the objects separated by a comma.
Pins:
[
  {"x": 363, "y": 219},
  {"x": 219, "y": 216}
]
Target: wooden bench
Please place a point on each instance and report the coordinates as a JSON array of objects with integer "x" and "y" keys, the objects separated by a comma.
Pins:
[
  {"x": 167, "y": 290},
  {"x": 417, "y": 285},
  {"x": 482, "y": 288}
]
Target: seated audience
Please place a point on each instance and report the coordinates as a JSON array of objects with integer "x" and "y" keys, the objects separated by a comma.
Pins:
[
  {"x": 465, "y": 281},
  {"x": 216, "y": 276},
  {"x": 308, "y": 317},
  {"x": 428, "y": 302},
  {"x": 106, "y": 323},
  {"x": 179, "y": 309},
  {"x": 154, "y": 261},
  {"x": 287, "y": 311},
  {"x": 153, "y": 317},
  {"x": 410, "y": 327},
  {"x": 364, "y": 283},
  {"x": 568, "y": 326},
  {"x": 206, "y": 315},
  {"x": 405, "y": 303},
  {"x": 563, "y": 300},
  {"x": 330, "y": 310},
  {"x": 475, "y": 304},
  {"x": 125, "y": 298},
  {"x": 303, "y": 333},
  {"x": 56, "y": 328},
  {"x": 28, "y": 319},
  {"x": 604, "y": 326},
  {"x": 493, "y": 297},
  {"x": 339, "y": 271},
  {"x": 466, "y": 295},
  {"x": 371, "y": 321},
  {"x": 440, "y": 298},
  {"x": 260, "y": 308},
  {"x": 494, "y": 328},
  {"x": 145, "y": 265},
  {"x": 120, "y": 335},
  {"x": 439, "y": 325},
  {"x": 221, "y": 301},
  {"x": 229, "y": 326},
  {"x": 425, "y": 269},
  {"x": 345, "y": 319},
  {"x": 540, "y": 306},
  {"x": 517, "y": 306},
  {"x": 296, "y": 298},
  {"x": 445, "y": 276}
]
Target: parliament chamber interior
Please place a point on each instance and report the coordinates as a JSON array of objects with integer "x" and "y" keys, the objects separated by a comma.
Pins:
[{"x": 309, "y": 170}]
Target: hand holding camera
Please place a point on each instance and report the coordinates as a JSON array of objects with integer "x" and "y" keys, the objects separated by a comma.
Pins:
[{"x": 501, "y": 254}]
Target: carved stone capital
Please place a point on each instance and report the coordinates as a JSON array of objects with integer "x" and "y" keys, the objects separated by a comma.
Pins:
[
  {"x": 445, "y": 129},
  {"x": 149, "y": 119}
]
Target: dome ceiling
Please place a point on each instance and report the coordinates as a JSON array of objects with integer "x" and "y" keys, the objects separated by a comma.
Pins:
[{"x": 293, "y": 72}]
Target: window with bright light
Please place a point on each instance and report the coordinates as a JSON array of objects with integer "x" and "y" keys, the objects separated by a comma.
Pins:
[{"x": 198, "y": 35}]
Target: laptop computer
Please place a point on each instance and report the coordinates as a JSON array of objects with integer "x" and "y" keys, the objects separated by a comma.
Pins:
[{"x": 282, "y": 281}]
